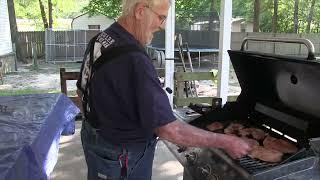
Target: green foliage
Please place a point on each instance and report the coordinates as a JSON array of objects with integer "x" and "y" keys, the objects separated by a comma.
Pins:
[
  {"x": 110, "y": 8},
  {"x": 187, "y": 11},
  {"x": 29, "y": 9}
]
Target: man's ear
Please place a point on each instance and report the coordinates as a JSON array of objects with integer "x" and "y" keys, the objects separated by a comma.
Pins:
[{"x": 139, "y": 11}]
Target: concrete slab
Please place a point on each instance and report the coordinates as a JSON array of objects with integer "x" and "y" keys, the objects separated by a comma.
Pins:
[{"x": 71, "y": 164}]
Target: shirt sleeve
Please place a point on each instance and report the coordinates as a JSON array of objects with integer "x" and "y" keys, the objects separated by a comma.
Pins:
[{"x": 153, "y": 104}]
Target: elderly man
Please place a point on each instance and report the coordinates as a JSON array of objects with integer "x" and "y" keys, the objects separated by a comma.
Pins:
[{"x": 125, "y": 106}]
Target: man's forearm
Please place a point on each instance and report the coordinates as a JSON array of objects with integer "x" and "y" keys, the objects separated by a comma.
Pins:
[{"x": 186, "y": 135}]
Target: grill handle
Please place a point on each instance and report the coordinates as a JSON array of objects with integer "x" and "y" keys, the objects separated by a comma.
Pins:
[{"x": 306, "y": 42}]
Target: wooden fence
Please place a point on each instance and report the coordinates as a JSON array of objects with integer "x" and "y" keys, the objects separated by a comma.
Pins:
[
  {"x": 26, "y": 39},
  {"x": 70, "y": 45}
]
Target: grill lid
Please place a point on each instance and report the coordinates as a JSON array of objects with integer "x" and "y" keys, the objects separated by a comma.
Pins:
[{"x": 283, "y": 88}]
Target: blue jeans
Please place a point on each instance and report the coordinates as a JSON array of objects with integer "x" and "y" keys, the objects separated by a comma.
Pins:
[{"x": 103, "y": 158}]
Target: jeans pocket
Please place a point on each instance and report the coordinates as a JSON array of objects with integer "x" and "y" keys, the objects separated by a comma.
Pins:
[
  {"x": 102, "y": 167},
  {"x": 142, "y": 167}
]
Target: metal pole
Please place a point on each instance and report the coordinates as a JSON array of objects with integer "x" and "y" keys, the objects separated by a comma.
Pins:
[
  {"x": 74, "y": 45},
  {"x": 169, "y": 68},
  {"x": 224, "y": 46}
]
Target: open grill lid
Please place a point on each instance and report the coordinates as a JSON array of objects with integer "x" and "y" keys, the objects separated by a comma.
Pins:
[{"x": 281, "y": 91}]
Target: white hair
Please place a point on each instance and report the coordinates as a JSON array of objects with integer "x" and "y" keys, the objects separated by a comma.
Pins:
[{"x": 129, "y": 5}]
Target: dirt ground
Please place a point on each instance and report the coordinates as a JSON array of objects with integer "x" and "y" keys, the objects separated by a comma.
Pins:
[{"x": 46, "y": 78}]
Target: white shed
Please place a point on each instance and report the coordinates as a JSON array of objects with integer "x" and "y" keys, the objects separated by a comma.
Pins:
[
  {"x": 7, "y": 57},
  {"x": 85, "y": 22},
  {"x": 5, "y": 35}
]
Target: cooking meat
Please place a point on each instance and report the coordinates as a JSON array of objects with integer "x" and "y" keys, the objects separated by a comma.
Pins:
[
  {"x": 215, "y": 126},
  {"x": 245, "y": 132},
  {"x": 233, "y": 129},
  {"x": 279, "y": 145},
  {"x": 252, "y": 142},
  {"x": 256, "y": 133},
  {"x": 264, "y": 154}
]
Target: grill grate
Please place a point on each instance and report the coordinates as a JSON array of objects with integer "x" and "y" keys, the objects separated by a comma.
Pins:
[{"x": 252, "y": 165}]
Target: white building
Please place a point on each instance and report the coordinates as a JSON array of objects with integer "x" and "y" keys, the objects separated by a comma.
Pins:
[
  {"x": 5, "y": 35},
  {"x": 238, "y": 25},
  {"x": 85, "y": 22},
  {"x": 6, "y": 52}
]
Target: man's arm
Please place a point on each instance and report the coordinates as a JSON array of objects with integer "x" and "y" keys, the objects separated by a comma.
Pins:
[{"x": 184, "y": 134}]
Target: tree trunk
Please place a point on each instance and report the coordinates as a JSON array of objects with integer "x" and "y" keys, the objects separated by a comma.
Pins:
[
  {"x": 256, "y": 16},
  {"x": 295, "y": 16},
  {"x": 275, "y": 16},
  {"x": 14, "y": 31},
  {"x": 50, "y": 13},
  {"x": 213, "y": 15},
  {"x": 310, "y": 17},
  {"x": 43, "y": 15}
]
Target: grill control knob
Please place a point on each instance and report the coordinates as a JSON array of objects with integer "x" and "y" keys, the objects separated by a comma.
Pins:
[{"x": 191, "y": 157}]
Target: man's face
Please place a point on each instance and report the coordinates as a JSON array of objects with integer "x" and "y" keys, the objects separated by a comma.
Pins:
[{"x": 155, "y": 19}]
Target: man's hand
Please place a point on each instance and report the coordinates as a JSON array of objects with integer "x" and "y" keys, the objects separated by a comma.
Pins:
[
  {"x": 186, "y": 135},
  {"x": 236, "y": 147}
]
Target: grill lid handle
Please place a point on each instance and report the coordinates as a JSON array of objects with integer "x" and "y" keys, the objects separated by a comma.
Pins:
[{"x": 306, "y": 42}]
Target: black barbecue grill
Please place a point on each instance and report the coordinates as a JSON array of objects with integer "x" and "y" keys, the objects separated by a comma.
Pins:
[{"x": 278, "y": 95}]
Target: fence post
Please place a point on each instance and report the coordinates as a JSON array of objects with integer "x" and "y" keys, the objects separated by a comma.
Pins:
[
  {"x": 34, "y": 56},
  {"x": 180, "y": 91},
  {"x": 14, "y": 49}
]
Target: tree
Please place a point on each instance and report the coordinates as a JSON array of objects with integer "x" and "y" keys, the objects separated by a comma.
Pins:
[
  {"x": 310, "y": 16},
  {"x": 213, "y": 15},
  {"x": 29, "y": 9},
  {"x": 110, "y": 8},
  {"x": 46, "y": 24},
  {"x": 14, "y": 30},
  {"x": 256, "y": 14},
  {"x": 43, "y": 15},
  {"x": 50, "y": 13},
  {"x": 275, "y": 16},
  {"x": 295, "y": 16},
  {"x": 272, "y": 16}
]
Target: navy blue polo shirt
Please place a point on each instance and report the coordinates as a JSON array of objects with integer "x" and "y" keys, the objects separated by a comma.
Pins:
[{"x": 127, "y": 95}]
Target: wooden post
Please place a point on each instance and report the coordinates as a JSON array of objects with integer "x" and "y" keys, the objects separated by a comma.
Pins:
[
  {"x": 180, "y": 85},
  {"x": 63, "y": 81},
  {"x": 15, "y": 56},
  {"x": 34, "y": 56}
]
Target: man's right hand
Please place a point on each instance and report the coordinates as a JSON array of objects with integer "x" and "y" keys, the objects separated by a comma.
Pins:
[
  {"x": 186, "y": 135},
  {"x": 236, "y": 147}
]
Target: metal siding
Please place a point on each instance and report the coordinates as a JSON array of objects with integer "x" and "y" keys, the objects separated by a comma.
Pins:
[{"x": 5, "y": 35}]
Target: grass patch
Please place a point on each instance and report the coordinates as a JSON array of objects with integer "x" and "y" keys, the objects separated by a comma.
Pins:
[{"x": 25, "y": 91}]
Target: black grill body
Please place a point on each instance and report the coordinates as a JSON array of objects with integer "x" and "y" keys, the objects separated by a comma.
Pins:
[{"x": 278, "y": 93}]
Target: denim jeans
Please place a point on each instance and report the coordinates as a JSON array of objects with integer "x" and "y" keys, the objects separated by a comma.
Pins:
[{"x": 103, "y": 158}]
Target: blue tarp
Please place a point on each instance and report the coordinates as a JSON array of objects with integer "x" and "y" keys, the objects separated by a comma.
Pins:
[{"x": 30, "y": 129}]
